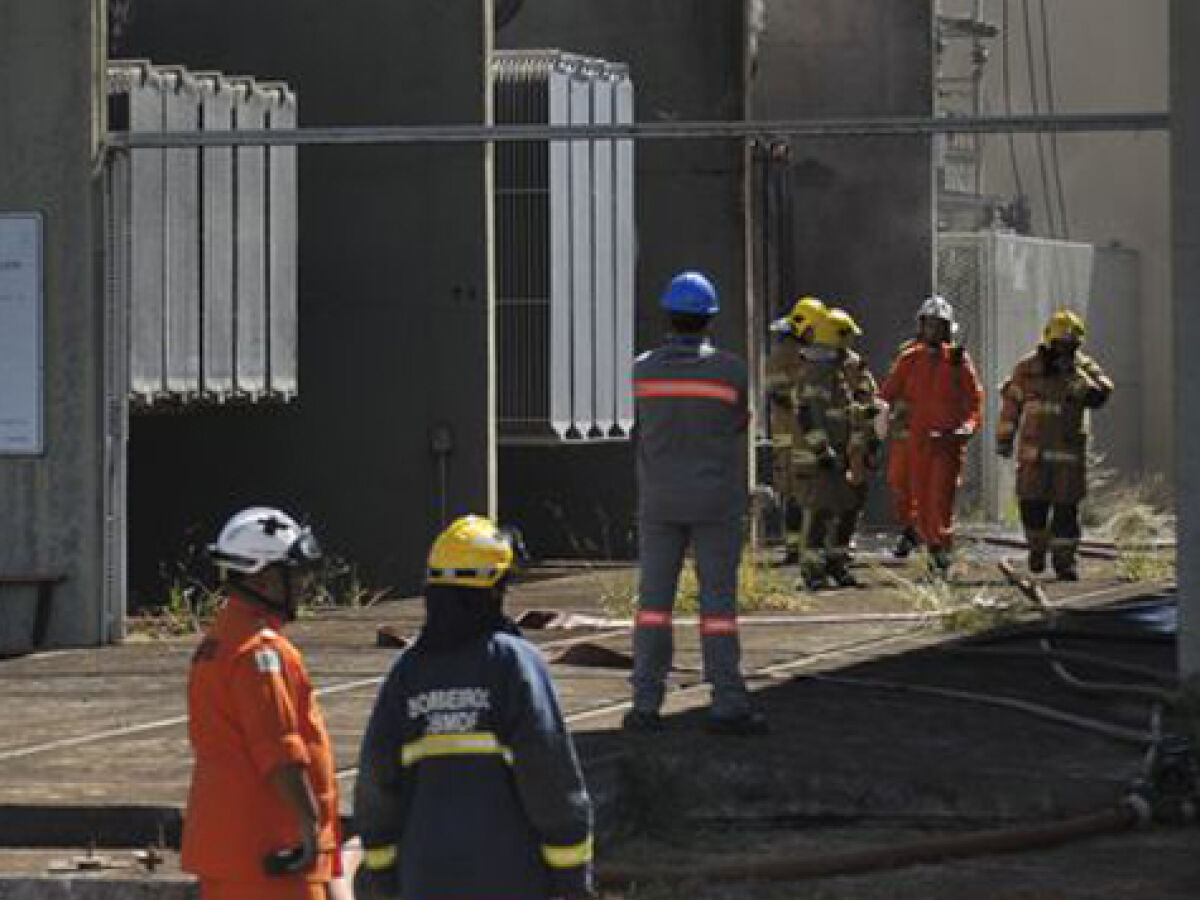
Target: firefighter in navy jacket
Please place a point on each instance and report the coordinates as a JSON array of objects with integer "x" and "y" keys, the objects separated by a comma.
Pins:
[{"x": 468, "y": 783}]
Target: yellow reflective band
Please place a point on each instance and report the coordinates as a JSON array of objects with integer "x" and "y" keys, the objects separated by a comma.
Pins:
[
  {"x": 816, "y": 438},
  {"x": 568, "y": 857},
  {"x": 470, "y": 743},
  {"x": 380, "y": 857},
  {"x": 1044, "y": 408},
  {"x": 1059, "y": 456}
]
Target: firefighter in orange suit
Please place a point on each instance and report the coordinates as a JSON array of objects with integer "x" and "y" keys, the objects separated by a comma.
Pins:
[
  {"x": 903, "y": 506},
  {"x": 936, "y": 380},
  {"x": 1044, "y": 412},
  {"x": 262, "y": 811}
]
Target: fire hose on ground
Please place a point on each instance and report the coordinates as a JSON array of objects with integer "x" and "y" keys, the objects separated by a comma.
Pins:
[
  {"x": 789, "y": 867},
  {"x": 1166, "y": 791}
]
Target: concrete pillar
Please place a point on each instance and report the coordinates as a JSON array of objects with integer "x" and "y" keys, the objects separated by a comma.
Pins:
[
  {"x": 1185, "y": 192},
  {"x": 51, "y": 125}
]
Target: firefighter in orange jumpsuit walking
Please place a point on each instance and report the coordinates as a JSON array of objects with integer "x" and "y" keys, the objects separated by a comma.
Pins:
[
  {"x": 936, "y": 381},
  {"x": 904, "y": 509},
  {"x": 262, "y": 811}
]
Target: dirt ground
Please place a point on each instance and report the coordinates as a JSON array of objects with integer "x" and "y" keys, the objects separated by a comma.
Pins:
[{"x": 887, "y": 729}]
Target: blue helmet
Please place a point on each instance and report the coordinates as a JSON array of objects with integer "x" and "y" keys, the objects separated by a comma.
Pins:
[{"x": 691, "y": 293}]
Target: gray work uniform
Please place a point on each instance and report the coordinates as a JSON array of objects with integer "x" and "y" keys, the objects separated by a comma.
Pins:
[{"x": 691, "y": 464}]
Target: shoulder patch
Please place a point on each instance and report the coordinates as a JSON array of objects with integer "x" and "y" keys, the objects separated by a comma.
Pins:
[{"x": 267, "y": 661}]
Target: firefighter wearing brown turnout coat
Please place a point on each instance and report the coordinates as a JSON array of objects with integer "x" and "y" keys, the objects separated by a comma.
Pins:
[
  {"x": 784, "y": 365},
  {"x": 835, "y": 409},
  {"x": 1044, "y": 413}
]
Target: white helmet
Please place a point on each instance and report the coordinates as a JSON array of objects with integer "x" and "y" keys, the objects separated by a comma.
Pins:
[
  {"x": 262, "y": 536},
  {"x": 938, "y": 307}
]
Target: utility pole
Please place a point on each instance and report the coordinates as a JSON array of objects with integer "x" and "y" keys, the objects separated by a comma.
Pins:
[
  {"x": 52, "y": 313},
  {"x": 1185, "y": 196}
]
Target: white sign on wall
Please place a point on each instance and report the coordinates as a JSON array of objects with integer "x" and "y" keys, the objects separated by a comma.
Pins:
[{"x": 20, "y": 333}]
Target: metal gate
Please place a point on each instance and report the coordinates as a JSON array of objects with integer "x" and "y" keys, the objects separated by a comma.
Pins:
[{"x": 1004, "y": 288}]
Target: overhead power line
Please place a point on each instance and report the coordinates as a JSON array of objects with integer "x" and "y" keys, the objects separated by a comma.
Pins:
[
  {"x": 1048, "y": 197},
  {"x": 1058, "y": 179},
  {"x": 1008, "y": 101}
]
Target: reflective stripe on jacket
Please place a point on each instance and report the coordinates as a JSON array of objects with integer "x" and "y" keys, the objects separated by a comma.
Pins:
[
  {"x": 468, "y": 772},
  {"x": 691, "y": 410}
]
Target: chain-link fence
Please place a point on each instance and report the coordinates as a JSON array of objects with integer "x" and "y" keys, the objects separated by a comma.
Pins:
[{"x": 1004, "y": 288}]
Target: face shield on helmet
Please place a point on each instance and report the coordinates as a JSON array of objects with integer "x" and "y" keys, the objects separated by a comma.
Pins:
[
  {"x": 799, "y": 322},
  {"x": 836, "y": 330},
  {"x": 257, "y": 538},
  {"x": 937, "y": 309},
  {"x": 1065, "y": 326}
]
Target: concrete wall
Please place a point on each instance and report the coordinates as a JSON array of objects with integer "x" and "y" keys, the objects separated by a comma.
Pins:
[
  {"x": 686, "y": 61},
  {"x": 1185, "y": 184},
  {"x": 393, "y": 291},
  {"x": 51, "y": 506},
  {"x": 862, "y": 224},
  {"x": 1108, "y": 55}
]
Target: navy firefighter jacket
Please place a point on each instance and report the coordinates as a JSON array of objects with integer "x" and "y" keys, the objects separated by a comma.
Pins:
[{"x": 467, "y": 769}]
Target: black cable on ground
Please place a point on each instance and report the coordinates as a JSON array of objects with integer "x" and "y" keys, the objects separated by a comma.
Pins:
[
  {"x": 1168, "y": 679},
  {"x": 1095, "y": 726}
]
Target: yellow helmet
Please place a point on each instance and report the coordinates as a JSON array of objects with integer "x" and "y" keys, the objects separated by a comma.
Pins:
[
  {"x": 836, "y": 329},
  {"x": 803, "y": 315},
  {"x": 471, "y": 552},
  {"x": 1064, "y": 325}
]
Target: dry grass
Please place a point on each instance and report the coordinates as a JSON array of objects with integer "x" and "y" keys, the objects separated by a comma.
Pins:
[
  {"x": 1137, "y": 518},
  {"x": 761, "y": 588},
  {"x": 950, "y": 606}
]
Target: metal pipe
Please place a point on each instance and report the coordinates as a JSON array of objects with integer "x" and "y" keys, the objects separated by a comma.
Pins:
[
  {"x": 809, "y": 128},
  {"x": 1185, "y": 237}
]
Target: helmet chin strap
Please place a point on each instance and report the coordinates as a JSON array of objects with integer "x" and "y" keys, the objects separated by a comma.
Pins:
[{"x": 288, "y": 607}]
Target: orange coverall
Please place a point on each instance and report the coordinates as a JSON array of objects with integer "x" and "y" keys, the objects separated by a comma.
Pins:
[
  {"x": 251, "y": 708},
  {"x": 941, "y": 392}
]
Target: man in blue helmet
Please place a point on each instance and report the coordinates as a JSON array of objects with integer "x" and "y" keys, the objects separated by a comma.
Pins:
[{"x": 691, "y": 418}]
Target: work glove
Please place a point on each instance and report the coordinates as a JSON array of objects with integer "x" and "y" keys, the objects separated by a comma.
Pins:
[
  {"x": 292, "y": 861},
  {"x": 377, "y": 884}
]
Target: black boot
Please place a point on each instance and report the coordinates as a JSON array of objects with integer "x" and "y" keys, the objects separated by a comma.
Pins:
[
  {"x": 637, "y": 720},
  {"x": 908, "y": 542},
  {"x": 1066, "y": 570},
  {"x": 939, "y": 562},
  {"x": 839, "y": 572}
]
